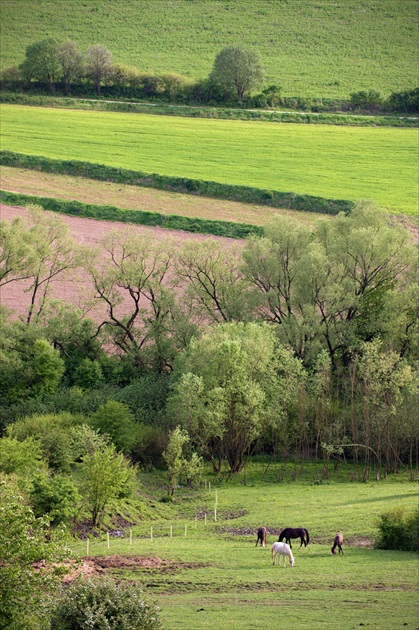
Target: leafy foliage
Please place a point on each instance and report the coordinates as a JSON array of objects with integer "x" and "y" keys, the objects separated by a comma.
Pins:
[
  {"x": 25, "y": 590},
  {"x": 98, "y": 604},
  {"x": 398, "y": 530}
]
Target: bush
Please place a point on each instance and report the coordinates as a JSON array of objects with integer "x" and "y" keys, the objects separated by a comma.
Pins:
[
  {"x": 99, "y": 604},
  {"x": 398, "y": 531}
]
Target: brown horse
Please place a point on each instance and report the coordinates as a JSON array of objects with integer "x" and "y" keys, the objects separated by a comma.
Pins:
[
  {"x": 261, "y": 536},
  {"x": 291, "y": 532},
  {"x": 337, "y": 543}
]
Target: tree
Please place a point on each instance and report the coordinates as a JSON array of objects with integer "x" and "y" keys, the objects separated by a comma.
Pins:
[
  {"x": 99, "y": 64},
  {"x": 72, "y": 63},
  {"x": 115, "y": 420},
  {"x": 55, "y": 497},
  {"x": 42, "y": 63},
  {"x": 238, "y": 69},
  {"x": 173, "y": 456},
  {"x": 106, "y": 475},
  {"x": 238, "y": 369},
  {"x": 131, "y": 276},
  {"x": 30, "y": 366},
  {"x": 17, "y": 250},
  {"x": 214, "y": 281},
  {"x": 26, "y": 588},
  {"x": 56, "y": 254}
]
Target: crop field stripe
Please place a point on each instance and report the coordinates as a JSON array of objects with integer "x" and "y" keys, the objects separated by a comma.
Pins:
[
  {"x": 111, "y": 213},
  {"x": 320, "y": 160}
]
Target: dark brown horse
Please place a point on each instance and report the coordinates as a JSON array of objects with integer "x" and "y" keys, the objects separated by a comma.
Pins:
[
  {"x": 337, "y": 543},
  {"x": 261, "y": 536},
  {"x": 298, "y": 532}
]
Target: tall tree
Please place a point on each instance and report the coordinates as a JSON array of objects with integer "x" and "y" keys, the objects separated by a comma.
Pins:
[
  {"x": 236, "y": 368},
  {"x": 239, "y": 69},
  {"x": 98, "y": 64},
  {"x": 72, "y": 63},
  {"x": 42, "y": 63}
]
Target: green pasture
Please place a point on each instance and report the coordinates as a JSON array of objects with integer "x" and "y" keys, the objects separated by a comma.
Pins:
[
  {"x": 323, "y": 160},
  {"x": 311, "y": 47},
  {"x": 214, "y": 577}
]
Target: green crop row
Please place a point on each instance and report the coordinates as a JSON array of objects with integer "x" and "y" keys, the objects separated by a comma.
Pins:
[
  {"x": 111, "y": 213},
  {"x": 246, "y": 194},
  {"x": 209, "y": 112}
]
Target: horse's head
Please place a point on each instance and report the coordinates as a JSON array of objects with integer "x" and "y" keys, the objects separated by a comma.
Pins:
[{"x": 292, "y": 561}]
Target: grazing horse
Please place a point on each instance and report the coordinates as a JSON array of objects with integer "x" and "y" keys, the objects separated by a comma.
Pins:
[
  {"x": 282, "y": 549},
  {"x": 299, "y": 532},
  {"x": 261, "y": 536},
  {"x": 337, "y": 543}
]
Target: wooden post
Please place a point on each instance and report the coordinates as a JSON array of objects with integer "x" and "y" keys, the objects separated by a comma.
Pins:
[
  {"x": 107, "y": 539},
  {"x": 186, "y": 530},
  {"x": 130, "y": 536},
  {"x": 205, "y": 484},
  {"x": 209, "y": 486},
  {"x": 205, "y": 518},
  {"x": 171, "y": 531},
  {"x": 215, "y": 512},
  {"x": 216, "y": 497},
  {"x": 195, "y": 521},
  {"x": 151, "y": 534},
  {"x": 87, "y": 546}
]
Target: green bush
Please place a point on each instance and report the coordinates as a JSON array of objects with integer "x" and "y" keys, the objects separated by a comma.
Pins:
[
  {"x": 398, "y": 531},
  {"x": 99, "y": 604}
]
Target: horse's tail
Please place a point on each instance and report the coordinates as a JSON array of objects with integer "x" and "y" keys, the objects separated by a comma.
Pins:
[
  {"x": 272, "y": 550},
  {"x": 308, "y": 536}
]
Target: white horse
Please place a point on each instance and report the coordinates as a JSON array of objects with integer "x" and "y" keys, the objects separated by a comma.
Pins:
[{"x": 282, "y": 549}]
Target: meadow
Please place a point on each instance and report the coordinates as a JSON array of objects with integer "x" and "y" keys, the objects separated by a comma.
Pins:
[
  {"x": 215, "y": 577},
  {"x": 323, "y": 160},
  {"x": 311, "y": 48}
]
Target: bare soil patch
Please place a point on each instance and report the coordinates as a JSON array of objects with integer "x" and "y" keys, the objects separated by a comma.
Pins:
[{"x": 98, "y": 565}]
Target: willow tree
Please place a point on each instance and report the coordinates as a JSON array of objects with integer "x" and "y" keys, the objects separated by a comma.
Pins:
[{"x": 232, "y": 379}]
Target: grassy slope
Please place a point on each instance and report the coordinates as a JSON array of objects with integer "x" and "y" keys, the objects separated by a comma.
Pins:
[
  {"x": 332, "y": 162},
  {"x": 138, "y": 198},
  {"x": 310, "y": 47},
  {"x": 238, "y": 588}
]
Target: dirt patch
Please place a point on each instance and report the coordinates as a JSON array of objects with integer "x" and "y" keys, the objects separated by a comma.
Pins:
[{"x": 99, "y": 565}]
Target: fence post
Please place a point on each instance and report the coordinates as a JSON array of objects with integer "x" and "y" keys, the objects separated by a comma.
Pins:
[
  {"x": 130, "y": 536},
  {"x": 107, "y": 539}
]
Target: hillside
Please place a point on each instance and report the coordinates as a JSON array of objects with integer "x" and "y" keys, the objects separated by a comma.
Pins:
[{"x": 310, "y": 47}]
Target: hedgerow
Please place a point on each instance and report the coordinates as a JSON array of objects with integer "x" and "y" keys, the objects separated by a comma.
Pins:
[{"x": 111, "y": 213}]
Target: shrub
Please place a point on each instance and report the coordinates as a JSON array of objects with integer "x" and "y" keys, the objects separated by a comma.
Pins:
[
  {"x": 98, "y": 604},
  {"x": 398, "y": 531},
  {"x": 370, "y": 101}
]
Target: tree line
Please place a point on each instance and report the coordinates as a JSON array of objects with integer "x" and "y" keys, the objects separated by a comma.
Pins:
[
  {"x": 300, "y": 344},
  {"x": 235, "y": 79}
]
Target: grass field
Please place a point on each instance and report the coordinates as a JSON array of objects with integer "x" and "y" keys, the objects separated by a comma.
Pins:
[
  {"x": 216, "y": 578},
  {"x": 333, "y": 162},
  {"x": 311, "y": 47}
]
